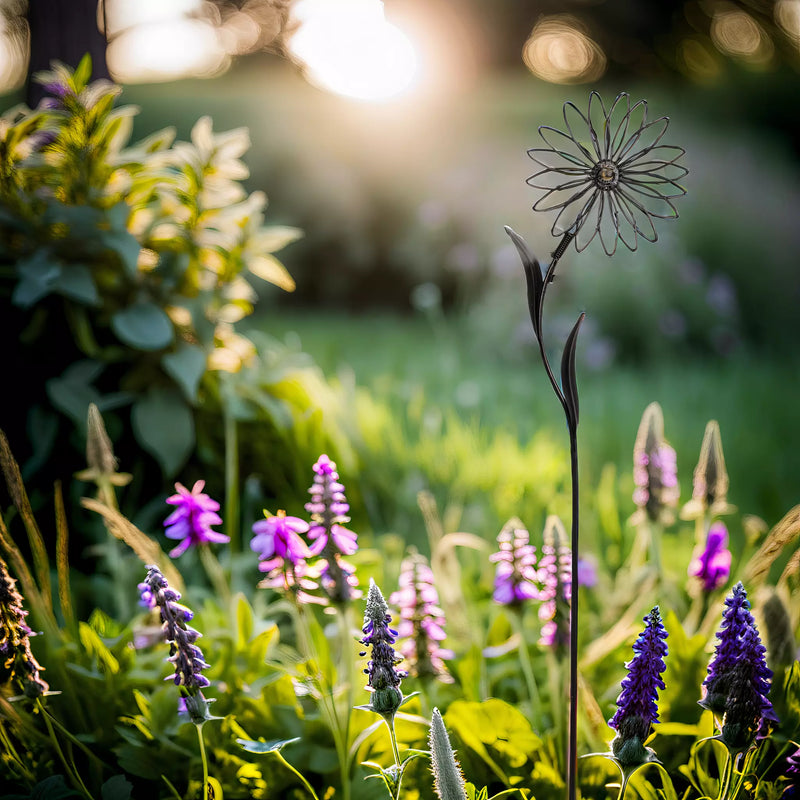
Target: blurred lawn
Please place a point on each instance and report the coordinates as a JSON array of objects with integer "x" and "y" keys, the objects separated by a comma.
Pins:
[{"x": 400, "y": 360}]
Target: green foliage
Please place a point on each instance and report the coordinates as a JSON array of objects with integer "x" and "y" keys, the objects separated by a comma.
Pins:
[{"x": 132, "y": 261}]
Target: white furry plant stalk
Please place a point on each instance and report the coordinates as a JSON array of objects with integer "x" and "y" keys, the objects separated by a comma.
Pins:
[{"x": 448, "y": 780}]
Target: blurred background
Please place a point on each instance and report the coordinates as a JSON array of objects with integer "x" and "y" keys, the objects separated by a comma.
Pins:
[{"x": 395, "y": 135}]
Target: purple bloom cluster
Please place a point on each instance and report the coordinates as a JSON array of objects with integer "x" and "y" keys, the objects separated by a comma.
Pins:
[
  {"x": 421, "y": 620},
  {"x": 184, "y": 653},
  {"x": 516, "y": 576},
  {"x": 655, "y": 474},
  {"x": 17, "y": 662},
  {"x": 283, "y": 556},
  {"x": 328, "y": 508},
  {"x": 712, "y": 564},
  {"x": 555, "y": 574},
  {"x": 636, "y": 704},
  {"x": 383, "y": 676},
  {"x": 792, "y": 773},
  {"x": 192, "y": 519},
  {"x": 738, "y": 679}
]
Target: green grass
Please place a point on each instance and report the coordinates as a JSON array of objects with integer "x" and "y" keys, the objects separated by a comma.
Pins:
[{"x": 425, "y": 373}]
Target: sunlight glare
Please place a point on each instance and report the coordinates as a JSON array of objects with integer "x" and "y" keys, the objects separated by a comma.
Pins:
[
  {"x": 347, "y": 47},
  {"x": 163, "y": 51}
]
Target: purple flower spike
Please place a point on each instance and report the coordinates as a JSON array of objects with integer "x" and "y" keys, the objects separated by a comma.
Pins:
[
  {"x": 738, "y": 680},
  {"x": 515, "y": 576},
  {"x": 736, "y": 618},
  {"x": 283, "y": 556},
  {"x": 636, "y": 704},
  {"x": 748, "y": 711},
  {"x": 555, "y": 575},
  {"x": 184, "y": 654},
  {"x": 792, "y": 773},
  {"x": 655, "y": 470},
  {"x": 383, "y": 676},
  {"x": 17, "y": 662},
  {"x": 328, "y": 508},
  {"x": 421, "y": 620},
  {"x": 191, "y": 521},
  {"x": 712, "y": 563}
]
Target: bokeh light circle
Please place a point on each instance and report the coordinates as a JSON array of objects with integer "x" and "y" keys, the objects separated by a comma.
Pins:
[{"x": 559, "y": 51}]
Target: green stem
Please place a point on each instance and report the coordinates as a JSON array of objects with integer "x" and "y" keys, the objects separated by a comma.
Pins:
[
  {"x": 527, "y": 666},
  {"x": 204, "y": 759},
  {"x": 232, "y": 525},
  {"x": 12, "y": 751},
  {"x": 727, "y": 775},
  {"x": 215, "y": 573},
  {"x": 296, "y": 772},
  {"x": 326, "y": 698},
  {"x": 393, "y": 737},
  {"x": 70, "y": 769}
]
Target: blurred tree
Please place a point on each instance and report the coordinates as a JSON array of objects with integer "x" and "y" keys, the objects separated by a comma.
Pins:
[{"x": 64, "y": 30}]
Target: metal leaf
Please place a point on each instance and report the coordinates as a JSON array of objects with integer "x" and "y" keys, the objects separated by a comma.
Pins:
[
  {"x": 569, "y": 384},
  {"x": 533, "y": 277}
]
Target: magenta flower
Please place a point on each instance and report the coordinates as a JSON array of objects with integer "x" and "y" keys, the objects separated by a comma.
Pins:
[
  {"x": 712, "y": 563},
  {"x": 422, "y": 621},
  {"x": 283, "y": 556},
  {"x": 191, "y": 521},
  {"x": 328, "y": 508},
  {"x": 636, "y": 704},
  {"x": 515, "y": 575}
]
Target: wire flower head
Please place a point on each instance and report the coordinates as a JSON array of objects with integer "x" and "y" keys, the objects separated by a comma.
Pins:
[
  {"x": 383, "y": 676},
  {"x": 184, "y": 654},
  {"x": 192, "y": 519},
  {"x": 608, "y": 175},
  {"x": 515, "y": 575},
  {"x": 328, "y": 508},
  {"x": 711, "y": 564},
  {"x": 421, "y": 620},
  {"x": 17, "y": 662},
  {"x": 636, "y": 704}
]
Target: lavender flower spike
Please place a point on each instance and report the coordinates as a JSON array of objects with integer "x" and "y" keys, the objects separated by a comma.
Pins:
[
  {"x": 184, "y": 653},
  {"x": 555, "y": 574},
  {"x": 515, "y": 576},
  {"x": 636, "y": 704},
  {"x": 748, "y": 709},
  {"x": 328, "y": 508},
  {"x": 17, "y": 662},
  {"x": 383, "y": 676},
  {"x": 736, "y": 618},
  {"x": 191, "y": 521},
  {"x": 421, "y": 620},
  {"x": 712, "y": 564},
  {"x": 654, "y": 469}
]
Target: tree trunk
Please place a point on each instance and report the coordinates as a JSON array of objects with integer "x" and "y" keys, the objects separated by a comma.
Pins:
[{"x": 64, "y": 30}]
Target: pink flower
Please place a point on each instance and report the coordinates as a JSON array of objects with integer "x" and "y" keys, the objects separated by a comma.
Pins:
[
  {"x": 712, "y": 563},
  {"x": 191, "y": 521}
]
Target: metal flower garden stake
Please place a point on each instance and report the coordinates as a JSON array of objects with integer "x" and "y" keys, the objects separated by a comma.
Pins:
[{"x": 608, "y": 176}]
